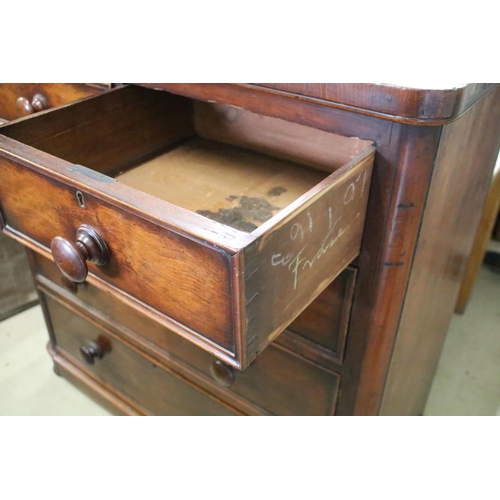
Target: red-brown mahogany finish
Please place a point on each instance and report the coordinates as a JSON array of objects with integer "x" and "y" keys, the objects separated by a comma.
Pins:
[
  {"x": 435, "y": 150},
  {"x": 71, "y": 257},
  {"x": 215, "y": 264}
]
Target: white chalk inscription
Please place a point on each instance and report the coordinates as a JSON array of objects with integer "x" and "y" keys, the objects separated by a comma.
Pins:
[{"x": 298, "y": 262}]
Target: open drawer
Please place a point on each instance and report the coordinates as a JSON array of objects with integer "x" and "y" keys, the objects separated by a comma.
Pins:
[{"x": 222, "y": 224}]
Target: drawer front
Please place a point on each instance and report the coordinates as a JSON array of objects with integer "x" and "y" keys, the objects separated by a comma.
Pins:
[
  {"x": 125, "y": 370},
  {"x": 279, "y": 381},
  {"x": 22, "y": 99},
  {"x": 185, "y": 281},
  {"x": 326, "y": 321},
  {"x": 229, "y": 291},
  {"x": 319, "y": 333}
]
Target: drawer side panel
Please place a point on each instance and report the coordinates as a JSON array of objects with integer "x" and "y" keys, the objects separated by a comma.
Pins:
[{"x": 301, "y": 255}]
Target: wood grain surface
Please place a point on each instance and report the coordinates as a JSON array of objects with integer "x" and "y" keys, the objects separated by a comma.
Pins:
[
  {"x": 261, "y": 389},
  {"x": 228, "y": 184},
  {"x": 203, "y": 297},
  {"x": 468, "y": 149},
  {"x": 303, "y": 249},
  {"x": 283, "y": 139},
  {"x": 123, "y": 369},
  {"x": 401, "y": 104},
  {"x": 194, "y": 292}
]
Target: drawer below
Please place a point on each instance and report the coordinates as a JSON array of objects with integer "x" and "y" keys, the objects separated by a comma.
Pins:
[
  {"x": 318, "y": 333},
  {"x": 125, "y": 370},
  {"x": 279, "y": 382}
]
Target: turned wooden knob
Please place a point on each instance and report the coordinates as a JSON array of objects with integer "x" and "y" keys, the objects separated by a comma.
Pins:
[
  {"x": 71, "y": 257},
  {"x": 25, "y": 107},
  {"x": 94, "y": 350},
  {"x": 223, "y": 374}
]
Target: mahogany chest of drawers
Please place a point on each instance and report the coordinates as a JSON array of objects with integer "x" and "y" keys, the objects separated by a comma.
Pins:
[{"x": 281, "y": 249}]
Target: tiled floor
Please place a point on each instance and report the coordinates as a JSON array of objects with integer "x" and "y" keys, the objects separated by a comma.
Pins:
[{"x": 467, "y": 381}]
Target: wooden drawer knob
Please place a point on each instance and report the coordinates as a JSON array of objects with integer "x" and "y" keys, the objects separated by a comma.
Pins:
[
  {"x": 71, "y": 258},
  {"x": 94, "y": 350},
  {"x": 25, "y": 107},
  {"x": 223, "y": 374}
]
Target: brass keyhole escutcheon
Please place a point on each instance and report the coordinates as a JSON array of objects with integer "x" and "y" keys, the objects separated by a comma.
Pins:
[{"x": 81, "y": 201}]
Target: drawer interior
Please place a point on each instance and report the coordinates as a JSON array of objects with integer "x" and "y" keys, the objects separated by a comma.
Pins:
[{"x": 225, "y": 163}]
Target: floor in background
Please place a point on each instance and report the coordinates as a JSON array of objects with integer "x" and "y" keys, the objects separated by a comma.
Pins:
[
  {"x": 28, "y": 384},
  {"x": 467, "y": 380}
]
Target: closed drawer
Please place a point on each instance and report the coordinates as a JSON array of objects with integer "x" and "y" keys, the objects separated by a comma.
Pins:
[
  {"x": 221, "y": 224},
  {"x": 22, "y": 99},
  {"x": 319, "y": 333},
  {"x": 124, "y": 370},
  {"x": 278, "y": 382}
]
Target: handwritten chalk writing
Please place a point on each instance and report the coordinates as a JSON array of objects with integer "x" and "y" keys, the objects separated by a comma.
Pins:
[
  {"x": 349, "y": 193},
  {"x": 294, "y": 267},
  {"x": 364, "y": 181},
  {"x": 297, "y": 231},
  {"x": 297, "y": 263},
  {"x": 300, "y": 264},
  {"x": 278, "y": 259},
  {"x": 310, "y": 221}
]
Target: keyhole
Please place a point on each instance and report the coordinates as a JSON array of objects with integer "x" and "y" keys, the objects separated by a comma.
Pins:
[{"x": 79, "y": 197}]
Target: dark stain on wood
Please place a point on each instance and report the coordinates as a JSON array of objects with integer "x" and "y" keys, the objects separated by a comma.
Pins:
[
  {"x": 276, "y": 191},
  {"x": 247, "y": 215}
]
